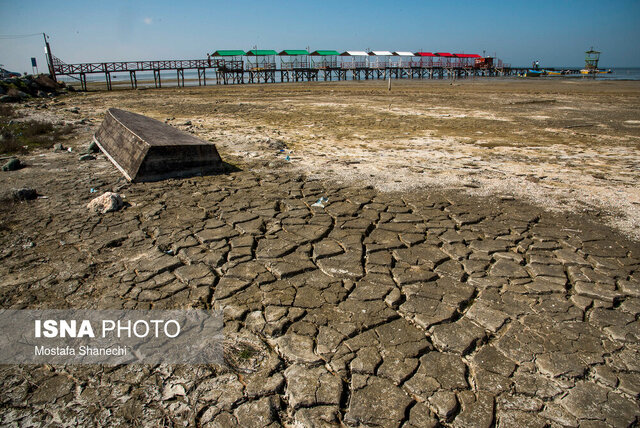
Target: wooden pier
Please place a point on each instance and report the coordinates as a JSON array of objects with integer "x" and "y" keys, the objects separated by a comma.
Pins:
[
  {"x": 80, "y": 71},
  {"x": 229, "y": 67}
]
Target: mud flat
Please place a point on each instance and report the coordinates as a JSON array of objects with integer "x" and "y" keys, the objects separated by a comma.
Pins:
[{"x": 471, "y": 259}]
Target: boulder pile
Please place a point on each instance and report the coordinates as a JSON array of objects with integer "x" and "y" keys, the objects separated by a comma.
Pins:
[{"x": 16, "y": 89}]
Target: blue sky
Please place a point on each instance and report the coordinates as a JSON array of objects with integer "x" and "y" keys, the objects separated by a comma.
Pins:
[{"x": 518, "y": 31}]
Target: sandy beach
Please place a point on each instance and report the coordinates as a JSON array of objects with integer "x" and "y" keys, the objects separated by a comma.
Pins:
[{"x": 475, "y": 260}]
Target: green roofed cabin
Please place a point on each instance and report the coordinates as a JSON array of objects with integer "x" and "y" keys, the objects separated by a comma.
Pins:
[
  {"x": 229, "y": 60},
  {"x": 261, "y": 59},
  {"x": 291, "y": 59},
  {"x": 324, "y": 59},
  {"x": 227, "y": 53}
]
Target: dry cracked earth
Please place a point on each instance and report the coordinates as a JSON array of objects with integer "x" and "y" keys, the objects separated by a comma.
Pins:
[
  {"x": 389, "y": 309},
  {"x": 377, "y": 309}
]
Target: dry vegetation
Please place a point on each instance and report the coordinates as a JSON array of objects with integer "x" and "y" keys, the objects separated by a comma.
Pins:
[{"x": 21, "y": 136}]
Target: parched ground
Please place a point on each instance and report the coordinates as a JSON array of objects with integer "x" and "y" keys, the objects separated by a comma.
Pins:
[{"x": 391, "y": 305}]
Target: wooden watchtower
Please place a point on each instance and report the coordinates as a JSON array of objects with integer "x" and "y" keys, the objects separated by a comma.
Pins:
[{"x": 591, "y": 60}]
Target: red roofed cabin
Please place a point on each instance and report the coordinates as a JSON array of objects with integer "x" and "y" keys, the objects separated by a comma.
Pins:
[
  {"x": 467, "y": 60},
  {"x": 445, "y": 59},
  {"x": 423, "y": 59}
]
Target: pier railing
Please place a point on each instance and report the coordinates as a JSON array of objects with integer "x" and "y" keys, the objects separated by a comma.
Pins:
[{"x": 113, "y": 67}]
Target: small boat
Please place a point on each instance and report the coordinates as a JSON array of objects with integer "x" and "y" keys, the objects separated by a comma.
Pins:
[
  {"x": 591, "y": 71},
  {"x": 533, "y": 73}
]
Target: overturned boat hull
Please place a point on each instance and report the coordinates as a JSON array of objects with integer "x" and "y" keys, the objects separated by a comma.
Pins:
[{"x": 145, "y": 149}]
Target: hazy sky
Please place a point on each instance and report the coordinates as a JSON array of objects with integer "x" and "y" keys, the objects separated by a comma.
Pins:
[{"x": 519, "y": 31}]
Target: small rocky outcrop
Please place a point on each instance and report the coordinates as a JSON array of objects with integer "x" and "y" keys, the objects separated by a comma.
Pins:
[{"x": 18, "y": 89}]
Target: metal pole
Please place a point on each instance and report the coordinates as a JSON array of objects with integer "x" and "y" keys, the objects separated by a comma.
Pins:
[{"x": 47, "y": 49}]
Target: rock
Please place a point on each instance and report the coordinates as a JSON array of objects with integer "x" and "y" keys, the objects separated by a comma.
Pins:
[
  {"x": 109, "y": 201},
  {"x": 12, "y": 165},
  {"x": 276, "y": 144},
  {"x": 17, "y": 95},
  {"x": 24, "y": 194},
  {"x": 47, "y": 83},
  {"x": 93, "y": 148},
  {"x": 58, "y": 147},
  {"x": 86, "y": 157}
]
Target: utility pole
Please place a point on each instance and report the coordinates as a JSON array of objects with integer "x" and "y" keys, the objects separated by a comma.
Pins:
[{"x": 47, "y": 50}]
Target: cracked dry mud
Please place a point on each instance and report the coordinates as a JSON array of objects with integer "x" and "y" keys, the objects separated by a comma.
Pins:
[{"x": 379, "y": 309}]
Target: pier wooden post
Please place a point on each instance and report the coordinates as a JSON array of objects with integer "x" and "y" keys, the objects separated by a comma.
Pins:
[
  {"x": 180, "y": 73},
  {"x": 107, "y": 76},
  {"x": 202, "y": 76}
]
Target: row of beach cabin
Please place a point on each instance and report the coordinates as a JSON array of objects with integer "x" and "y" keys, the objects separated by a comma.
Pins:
[{"x": 299, "y": 59}]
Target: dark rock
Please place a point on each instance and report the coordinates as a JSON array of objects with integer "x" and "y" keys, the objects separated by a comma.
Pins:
[
  {"x": 24, "y": 194},
  {"x": 12, "y": 165},
  {"x": 8, "y": 99},
  {"x": 47, "y": 83},
  {"x": 93, "y": 148},
  {"x": 86, "y": 157}
]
